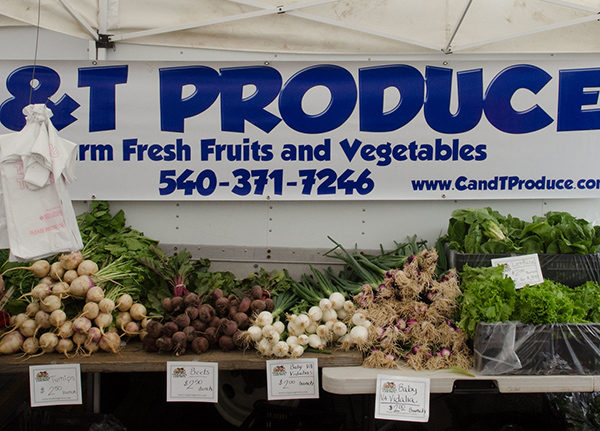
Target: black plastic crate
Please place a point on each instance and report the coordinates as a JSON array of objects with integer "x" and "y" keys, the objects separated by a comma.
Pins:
[
  {"x": 517, "y": 348},
  {"x": 569, "y": 269}
]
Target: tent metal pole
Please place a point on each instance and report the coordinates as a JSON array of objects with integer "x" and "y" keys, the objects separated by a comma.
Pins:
[
  {"x": 347, "y": 26},
  {"x": 79, "y": 19},
  {"x": 572, "y": 5},
  {"x": 271, "y": 11},
  {"x": 529, "y": 32},
  {"x": 102, "y": 27},
  {"x": 446, "y": 49}
]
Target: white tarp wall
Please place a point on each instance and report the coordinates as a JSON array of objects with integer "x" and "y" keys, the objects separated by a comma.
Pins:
[{"x": 264, "y": 230}]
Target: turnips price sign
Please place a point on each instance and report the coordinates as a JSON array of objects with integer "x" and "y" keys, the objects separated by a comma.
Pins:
[{"x": 488, "y": 129}]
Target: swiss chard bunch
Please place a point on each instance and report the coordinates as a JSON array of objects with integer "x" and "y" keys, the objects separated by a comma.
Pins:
[
  {"x": 483, "y": 230},
  {"x": 560, "y": 232}
]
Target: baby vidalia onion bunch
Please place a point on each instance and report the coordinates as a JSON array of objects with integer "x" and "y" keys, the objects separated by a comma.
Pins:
[{"x": 411, "y": 314}]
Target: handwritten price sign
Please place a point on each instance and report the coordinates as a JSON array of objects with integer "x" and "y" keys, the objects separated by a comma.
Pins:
[
  {"x": 52, "y": 385},
  {"x": 523, "y": 269},
  {"x": 292, "y": 379},
  {"x": 402, "y": 398},
  {"x": 193, "y": 381}
]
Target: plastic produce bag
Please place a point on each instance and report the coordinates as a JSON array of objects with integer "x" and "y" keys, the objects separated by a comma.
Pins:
[
  {"x": 36, "y": 165},
  {"x": 517, "y": 348}
]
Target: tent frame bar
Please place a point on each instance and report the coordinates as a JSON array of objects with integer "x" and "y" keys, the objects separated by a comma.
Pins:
[
  {"x": 80, "y": 19},
  {"x": 446, "y": 49},
  {"x": 347, "y": 26},
  {"x": 270, "y": 11},
  {"x": 529, "y": 32}
]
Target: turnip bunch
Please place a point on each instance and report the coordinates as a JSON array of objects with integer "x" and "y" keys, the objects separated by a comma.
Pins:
[{"x": 68, "y": 310}]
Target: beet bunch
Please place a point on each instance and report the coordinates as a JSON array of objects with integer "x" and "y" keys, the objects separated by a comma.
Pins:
[{"x": 197, "y": 324}]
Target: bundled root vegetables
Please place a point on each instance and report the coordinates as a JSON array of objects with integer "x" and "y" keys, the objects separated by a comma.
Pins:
[
  {"x": 69, "y": 310},
  {"x": 411, "y": 314},
  {"x": 198, "y": 323}
]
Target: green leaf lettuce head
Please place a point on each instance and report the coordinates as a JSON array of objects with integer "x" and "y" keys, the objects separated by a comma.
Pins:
[
  {"x": 487, "y": 296},
  {"x": 545, "y": 303}
]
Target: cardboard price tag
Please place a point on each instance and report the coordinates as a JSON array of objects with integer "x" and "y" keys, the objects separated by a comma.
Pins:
[
  {"x": 51, "y": 385},
  {"x": 292, "y": 379},
  {"x": 523, "y": 269},
  {"x": 193, "y": 381},
  {"x": 401, "y": 398}
]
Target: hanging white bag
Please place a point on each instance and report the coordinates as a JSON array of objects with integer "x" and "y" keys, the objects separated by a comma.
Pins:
[{"x": 36, "y": 165}]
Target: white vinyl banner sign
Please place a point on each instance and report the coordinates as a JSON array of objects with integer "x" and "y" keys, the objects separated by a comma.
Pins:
[{"x": 488, "y": 129}]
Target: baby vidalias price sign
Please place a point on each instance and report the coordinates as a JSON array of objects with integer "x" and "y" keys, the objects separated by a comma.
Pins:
[
  {"x": 292, "y": 379},
  {"x": 52, "y": 385},
  {"x": 402, "y": 398}
]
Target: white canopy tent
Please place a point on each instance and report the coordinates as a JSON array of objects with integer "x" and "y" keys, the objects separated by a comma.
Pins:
[
  {"x": 147, "y": 34},
  {"x": 323, "y": 26}
]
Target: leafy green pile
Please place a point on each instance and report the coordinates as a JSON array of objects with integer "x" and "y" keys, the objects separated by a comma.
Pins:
[
  {"x": 475, "y": 230},
  {"x": 489, "y": 297}
]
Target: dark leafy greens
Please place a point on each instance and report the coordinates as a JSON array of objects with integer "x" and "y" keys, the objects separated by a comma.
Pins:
[{"x": 486, "y": 231}]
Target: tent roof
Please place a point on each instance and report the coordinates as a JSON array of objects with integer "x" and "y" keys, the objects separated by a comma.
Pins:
[{"x": 324, "y": 26}]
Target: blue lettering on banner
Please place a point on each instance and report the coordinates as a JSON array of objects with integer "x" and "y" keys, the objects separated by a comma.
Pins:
[{"x": 576, "y": 101}]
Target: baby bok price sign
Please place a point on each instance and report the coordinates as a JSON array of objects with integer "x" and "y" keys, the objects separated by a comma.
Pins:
[{"x": 402, "y": 398}]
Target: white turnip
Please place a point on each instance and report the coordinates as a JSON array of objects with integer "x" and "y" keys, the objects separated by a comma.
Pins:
[
  {"x": 65, "y": 346},
  {"x": 42, "y": 318},
  {"x": 95, "y": 294},
  {"x": 71, "y": 260},
  {"x": 82, "y": 324},
  {"x": 50, "y": 303},
  {"x": 30, "y": 346},
  {"x": 56, "y": 271},
  {"x": 69, "y": 276},
  {"x": 66, "y": 329},
  {"x": 87, "y": 267},
  {"x": 124, "y": 302},
  {"x": 91, "y": 347},
  {"x": 28, "y": 328},
  {"x": 32, "y": 308},
  {"x": 122, "y": 319},
  {"x": 103, "y": 320},
  {"x": 110, "y": 342},
  {"x": 80, "y": 286},
  {"x": 11, "y": 343},
  {"x": 90, "y": 310},
  {"x": 48, "y": 342},
  {"x": 39, "y": 268},
  {"x": 106, "y": 305},
  {"x": 57, "y": 318},
  {"x": 137, "y": 311},
  {"x": 61, "y": 289}
]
